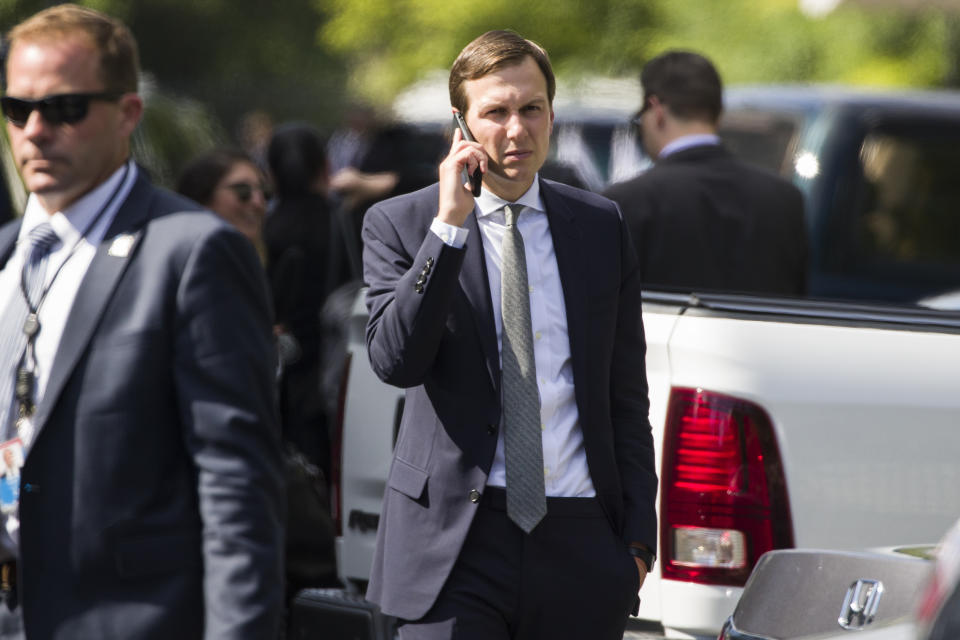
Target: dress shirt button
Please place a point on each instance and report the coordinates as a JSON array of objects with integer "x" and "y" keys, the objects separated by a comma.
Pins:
[
  {"x": 538, "y": 335},
  {"x": 474, "y": 496},
  {"x": 491, "y": 429}
]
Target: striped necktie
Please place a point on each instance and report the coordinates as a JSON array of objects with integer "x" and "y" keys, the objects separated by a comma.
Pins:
[{"x": 15, "y": 323}]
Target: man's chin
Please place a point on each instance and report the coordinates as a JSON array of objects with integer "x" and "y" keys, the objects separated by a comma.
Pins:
[{"x": 42, "y": 182}]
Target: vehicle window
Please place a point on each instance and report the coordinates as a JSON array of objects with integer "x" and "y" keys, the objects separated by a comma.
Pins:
[
  {"x": 761, "y": 137},
  {"x": 903, "y": 223},
  {"x": 601, "y": 153}
]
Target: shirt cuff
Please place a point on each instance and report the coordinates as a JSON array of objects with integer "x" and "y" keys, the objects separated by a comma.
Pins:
[{"x": 451, "y": 235}]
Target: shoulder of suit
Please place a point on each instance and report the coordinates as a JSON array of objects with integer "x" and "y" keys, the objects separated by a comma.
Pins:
[
  {"x": 177, "y": 215},
  {"x": 579, "y": 197},
  {"x": 427, "y": 196},
  {"x": 416, "y": 209}
]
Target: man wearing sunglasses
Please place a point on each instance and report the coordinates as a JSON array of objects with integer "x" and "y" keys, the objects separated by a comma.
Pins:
[{"x": 137, "y": 366}]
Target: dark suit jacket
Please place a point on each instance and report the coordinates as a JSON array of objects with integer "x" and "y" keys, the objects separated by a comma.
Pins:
[
  {"x": 702, "y": 219},
  {"x": 439, "y": 340},
  {"x": 151, "y": 500}
]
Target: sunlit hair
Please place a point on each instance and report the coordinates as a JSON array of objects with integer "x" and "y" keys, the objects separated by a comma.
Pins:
[
  {"x": 119, "y": 59},
  {"x": 491, "y": 52},
  {"x": 687, "y": 83}
]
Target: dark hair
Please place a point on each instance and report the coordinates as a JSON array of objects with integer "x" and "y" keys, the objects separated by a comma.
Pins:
[
  {"x": 687, "y": 83},
  {"x": 297, "y": 156},
  {"x": 119, "y": 60},
  {"x": 491, "y": 52},
  {"x": 201, "y": 176}
]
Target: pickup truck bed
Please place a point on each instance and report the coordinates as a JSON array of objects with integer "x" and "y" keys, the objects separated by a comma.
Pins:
[{"x": 862, "y": 403}]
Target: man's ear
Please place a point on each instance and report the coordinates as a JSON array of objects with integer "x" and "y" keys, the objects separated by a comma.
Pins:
[
  {"x": 131, "y": 110},
  {"x": 658, "y": 110}
]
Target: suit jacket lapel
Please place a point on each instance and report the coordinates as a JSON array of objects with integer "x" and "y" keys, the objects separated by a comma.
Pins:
[
  {"x": 568, "y": 245},
  {"x": 476, "y": 285},
  {"x": 113, "y": 255},
  {"x": 8, "y": 240}
]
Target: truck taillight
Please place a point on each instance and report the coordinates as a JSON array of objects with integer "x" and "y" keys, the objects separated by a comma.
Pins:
[
  {"x": 336, "y": 450},
  {"x": 724, "y": 498}
]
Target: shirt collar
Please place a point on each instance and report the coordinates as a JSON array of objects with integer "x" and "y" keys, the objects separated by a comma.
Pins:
[
  {"x": 74, "y": 220},
  {"x": 488, "y": 203},
  {"x": 686, "y": 142}
]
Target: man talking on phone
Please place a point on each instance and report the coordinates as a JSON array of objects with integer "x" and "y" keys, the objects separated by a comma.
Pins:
[{"x": 520, "y": 501}]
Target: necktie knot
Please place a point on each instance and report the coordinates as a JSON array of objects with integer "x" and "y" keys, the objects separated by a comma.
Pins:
[
  {"x": 512, "y": 212},
  {"x": 42, "y": 238}
]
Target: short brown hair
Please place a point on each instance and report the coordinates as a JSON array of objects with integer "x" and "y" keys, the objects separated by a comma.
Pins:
[
  {"x": 119, "y": 59},
  {"x": 687, "y": 83},
  {"x": 491, "y": 52}
]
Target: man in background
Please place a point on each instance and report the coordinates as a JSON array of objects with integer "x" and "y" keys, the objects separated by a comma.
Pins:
[
  {"x": 701, "y": 218},
  {"x": 137, "y": 371}
]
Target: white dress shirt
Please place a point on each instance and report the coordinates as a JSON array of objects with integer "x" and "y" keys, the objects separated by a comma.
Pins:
[
  {"x": 68, "y": 263},
  {"x": 64, "y": 282},
  {"x": 564, "y": 458},
  {"x": 686, "y": 142}
]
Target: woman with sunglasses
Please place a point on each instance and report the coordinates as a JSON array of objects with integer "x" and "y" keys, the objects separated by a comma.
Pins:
[{"x": 227, "y": 182}]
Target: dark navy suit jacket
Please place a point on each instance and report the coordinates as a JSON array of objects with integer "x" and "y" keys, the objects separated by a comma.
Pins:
[
  {"x": 151, "y": 501},
  {"x": 438, "y": 339}
]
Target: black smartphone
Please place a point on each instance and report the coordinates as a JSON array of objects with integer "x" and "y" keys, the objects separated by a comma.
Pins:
[{"x": 477, "y": 178}]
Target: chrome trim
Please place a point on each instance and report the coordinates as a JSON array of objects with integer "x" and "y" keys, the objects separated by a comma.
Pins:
[{"x": 730, "y": 632}]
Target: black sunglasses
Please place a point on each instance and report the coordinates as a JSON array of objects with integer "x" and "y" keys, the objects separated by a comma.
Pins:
[
  {"x": 635, "y": 118},
  {"x": 244, "y": 190},
  {"x": 64, "y": 108}
]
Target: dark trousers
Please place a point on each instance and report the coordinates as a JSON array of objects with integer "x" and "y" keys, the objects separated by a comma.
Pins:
[{"x": 570, "y": 578}]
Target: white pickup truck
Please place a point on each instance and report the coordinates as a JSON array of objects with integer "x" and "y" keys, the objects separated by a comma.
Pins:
[{"x": 820, "y": 422}]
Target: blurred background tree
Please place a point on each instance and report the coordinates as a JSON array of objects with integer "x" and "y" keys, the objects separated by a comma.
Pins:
[{"x": 391, "y": 43}]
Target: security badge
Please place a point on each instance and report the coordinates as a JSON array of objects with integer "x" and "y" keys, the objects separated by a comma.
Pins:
[{"x": 11, "y": 461}]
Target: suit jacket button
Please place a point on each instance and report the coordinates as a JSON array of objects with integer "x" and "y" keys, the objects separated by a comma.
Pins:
[
  {"x": 418, "y": 288},
  {"x": 491, "y": 429},
  {"x": 474, "y": 496},
  {"x": 429, "y": 262}
]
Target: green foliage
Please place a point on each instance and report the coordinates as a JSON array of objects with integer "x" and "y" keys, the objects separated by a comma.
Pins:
[
  {"x": 303, "y": 59},
  {"x": 234, "y": 55},
  {"x": 393, "y": 42}
]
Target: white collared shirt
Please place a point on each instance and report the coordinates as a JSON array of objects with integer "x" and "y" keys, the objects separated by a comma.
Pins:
[
  {"x": 564, "y": 458},
  {"x": 63, "y": 279},
  {"x": 686, "y": 142}
]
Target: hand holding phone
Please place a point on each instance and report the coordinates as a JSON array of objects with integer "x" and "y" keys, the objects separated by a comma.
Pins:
[{"x": 477, "y": 178}]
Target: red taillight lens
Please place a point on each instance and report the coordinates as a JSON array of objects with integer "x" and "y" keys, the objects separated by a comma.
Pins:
[
  {"x": 724, "y": 499},
  {"x": 336, "y": 450}
]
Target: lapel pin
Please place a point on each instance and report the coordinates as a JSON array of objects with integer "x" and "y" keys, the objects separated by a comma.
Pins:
[{"x": 121, "y": 245}]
